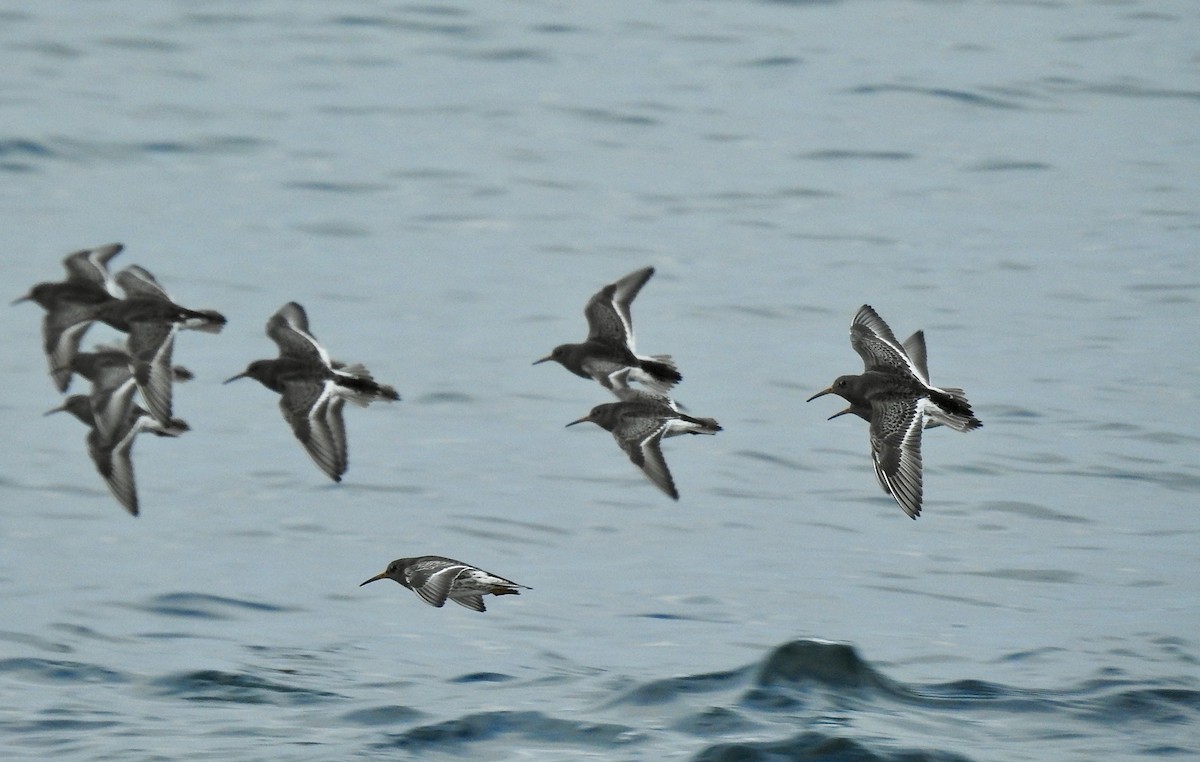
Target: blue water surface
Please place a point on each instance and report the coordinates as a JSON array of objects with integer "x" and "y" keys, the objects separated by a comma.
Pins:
[{"x": 443, "y": 185}]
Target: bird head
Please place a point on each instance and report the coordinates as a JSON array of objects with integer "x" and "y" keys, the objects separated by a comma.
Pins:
[
  {"x": 259, "y": 370},
  {"x": 393, "y": 571},
  {"x": 557, "y": 355}
]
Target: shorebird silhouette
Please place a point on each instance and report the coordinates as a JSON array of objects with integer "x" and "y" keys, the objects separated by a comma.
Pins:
[
  {"x": 313, "y": 388},
  {"x": 609, "y": 345},
  {"x": 437, "y": 579},
  {"x": 151, "y": 319},
  {"x": 111, "y": 451},
  {"x": 894, "y": 394},
  {"x": 639, "y": 424},
  {"x": 69, "y": 306}
]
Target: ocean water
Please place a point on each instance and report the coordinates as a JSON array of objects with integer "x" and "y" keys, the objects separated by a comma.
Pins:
[{"x": 443, "y": 185}]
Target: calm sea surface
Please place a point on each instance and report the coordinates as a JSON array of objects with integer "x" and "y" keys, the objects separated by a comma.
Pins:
[{"x": 443, "y": 185}]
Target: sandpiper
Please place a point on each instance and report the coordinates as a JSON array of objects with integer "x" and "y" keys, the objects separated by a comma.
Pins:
[
  {"x": 314, "y": 388},
  {"x": 895, "y": 395},
  {"x": 151, "y": 319},
  {"x": 609, "y": 345},
  {"x": 619, "y": 384},
  {"x": 69, "y": 304},
  {"x": 437, "y": 579},
  {"x": 109, "y": 368},
  {"x": 639, "y": 425},
  {"x": 112, "y": 452}
]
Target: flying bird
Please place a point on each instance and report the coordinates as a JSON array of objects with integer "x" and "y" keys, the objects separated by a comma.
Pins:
[
  {"x": 152, "y": 319},
  {"x": 437, "y": 579},
  {"x": 69, "y": 306},
  {"x": 639, "y": 424},
  {"x": 111, "y": 452},
  {"x": 609, "y": 345},
  {"x": 895, "y": 395},
  {"x": 313, "y": 388},
  {"x": 109, "y": 369}
]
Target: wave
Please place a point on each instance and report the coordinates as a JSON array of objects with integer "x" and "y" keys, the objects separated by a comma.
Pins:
[
  {"x": 203, "y": 606},
  {"x": 234, "y": 687},
  {"x": 804, "y": 699},
  {"x": 828, "y": 692},
  {"x": 531, "y": 726}
]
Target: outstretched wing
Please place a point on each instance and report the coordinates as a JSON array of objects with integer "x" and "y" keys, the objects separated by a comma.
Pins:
[
  {"x": 150, "y": 345},
  {"x": 304, "y": 405},
  {"x": 115, "y": 464},
  {"x": 607, "y": 312},
  {"x": 877, "y": 346},
  {"x": 288, "y": 328},
  {"x": 137, "y": 281},
  {"x": 62, "y": 331},
  {"x": 91, "y": 265},
  {"x": 642, "y": 442},
  {"x": 896, "y": 425},
  {"x": 335, "y": 424}
]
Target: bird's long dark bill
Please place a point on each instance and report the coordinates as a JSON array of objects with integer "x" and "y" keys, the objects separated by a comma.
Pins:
[
  {"x": 581, "y": 420},
  {"x": 235, "y": 378},
  {"x": 547, "y": 358},
  {"x": 59, "y": 409},
  {"x": 377, "y": 577},
  {"x": 27, "y": 298},
  {"x": 840, "y": 413},
  {"x": 821, "y": 393}
]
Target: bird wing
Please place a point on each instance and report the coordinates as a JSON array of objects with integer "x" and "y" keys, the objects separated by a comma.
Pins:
[
  {"x": 136, "y": 281},
  {"x": 877, "y": 346},
  {"x": 304, "y": 404},
  {"x": 91, "y": 265},
  {"x": 150, "y": 345},
  {"x": 914, "y": 347},
  {"x": 473, "y": 602},
  {"x": 433, "y": 579},
  {"x": 896, "y": 425},
  {"x": 617, "y": 382},
  {"x": 62, "y": 332},
  {"x": 288, "y": 328},
  {"x": 335, "y": 423},
  {"x": 642, "y": 442},
  {"x": 106, "y": 367},
  {"x": 114, "y": 462},
  {"x": 607, "y": 312},
  {"x": 111, "y": 407},
  {"x": 604, "y": 323},
  {"x": 467, "y": 581}
]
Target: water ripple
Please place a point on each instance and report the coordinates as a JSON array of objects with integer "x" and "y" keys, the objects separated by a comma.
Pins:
[
  {"x": 234, "y": 687},
  {"x": 203, "y": 606},
  {"x": 483, "y": 677},
  {"x": 960, "y": 96},
  {"x": 55, "y": 671},
  {"x": 25, "y": 154},
  {"x": 532, "y": 726},
  {"x": 817, "y": 746},
  {"x": 384, "y": 715}
]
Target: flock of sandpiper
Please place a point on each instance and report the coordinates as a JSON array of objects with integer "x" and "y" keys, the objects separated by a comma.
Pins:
[{"x": 893, "y": 394}]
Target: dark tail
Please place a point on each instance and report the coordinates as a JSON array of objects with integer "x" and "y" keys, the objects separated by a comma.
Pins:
[
  {"x": 953, "y": 410},
  {"x": 362, "y": 387},
  {"x": 662, "y": 369},
  {"x": 209, "y": 321},
  {"x": 701, "y": 425}
]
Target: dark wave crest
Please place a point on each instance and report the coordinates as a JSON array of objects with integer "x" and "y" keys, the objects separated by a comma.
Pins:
[
  {"x": 511, "y": 726},
  {"x": 235, "y": 687}
]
